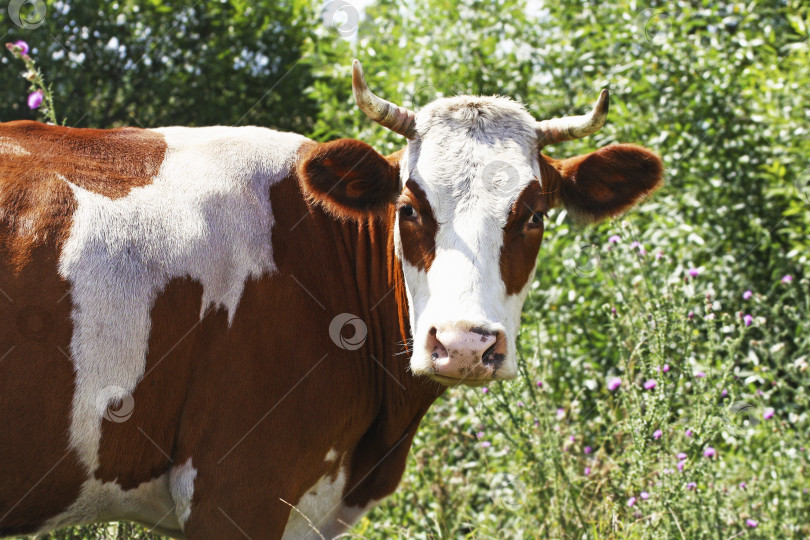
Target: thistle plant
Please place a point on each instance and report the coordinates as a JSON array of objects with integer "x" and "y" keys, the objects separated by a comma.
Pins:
[{"x": 40, "y": 95}]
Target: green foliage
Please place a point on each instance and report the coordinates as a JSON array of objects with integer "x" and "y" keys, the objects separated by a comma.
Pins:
[{"x": 719, "y": 90}]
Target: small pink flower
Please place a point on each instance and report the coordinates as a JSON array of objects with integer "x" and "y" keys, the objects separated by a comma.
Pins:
[
  {"x": 700, "y": 375},
  {"x": 572, "y": 438},
  {"x": 680, "y": 466},
  {"x": 614, "y": 383},
  {"x": 693, "y": 272},
  {"x": 690, "y": 315},
  {"x": 748, "y": 319},
  {"x": 486, "y": 444},
  {"x": 587, "y": 450},
  {"x": 787, "y": 279},
  {"x": 751, "y": 523},
  {"x": 688, "y": 433},
  {"x": 665, "y": 368},
  {"x": 710, "y": 317},
  {"x": 724, "y": 393},
  {"x": 560, "y": 413},
  {"x": 691, "y": 485},
  {"x": 709, "y": 452},
  {"x": 631, "y": 501},
  {"x": 539, "y": 384},
  {"x": 644, "y": 495},
  {"x": 587, "y": 471},
  {"x": 650, "y": 384},
  {"x": 681, "y": 455},
  {"x": 743, "y": 485},
  {"x": 747, "y": 295},
  {"x": 614, "y": 239},
  {"x": 613, "y": 311},
  {"x": 768, "y": 414},
  {"x": 657, "y": 434},
  {"x": 35, "y": 99},
  {"x": 480, "y": 434},
  {"x": 22, "y": 45},
  {"x": 658, "y": 255}
]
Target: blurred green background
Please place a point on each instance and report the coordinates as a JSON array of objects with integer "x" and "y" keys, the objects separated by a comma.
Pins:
[{"x": 720, "y": 90}]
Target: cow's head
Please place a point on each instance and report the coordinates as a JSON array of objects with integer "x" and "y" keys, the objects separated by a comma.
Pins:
[{"x": 471, "y": 191}]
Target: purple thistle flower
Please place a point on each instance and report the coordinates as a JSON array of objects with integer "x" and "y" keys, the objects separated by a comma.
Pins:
[
  {"x": 539, "y": 384},
  {"x": 747, "y": 295},
  {"x": 709, "y": 452},
  {"x": 665, "y": 368},
  {"x": 724, "y": 393},
  {"x": 768, "y": 414},
  {"x": 650, "y": 384},
  {"x": 631, "y": 501},
  {"x": 613, "y": 311},
  {"x": 644, "y": 495},
  {"x": 658, "y": 255},
  {"x": 787, "y": 279},
  {"x": 693, "y": 272},
  {"x": 480, "y": 434},
  {"x": 485, "y": 390},
  {"x": 614, "y": 383},
  {"x": 690, "y": 315},
  {"x": 572, "y": 438},
  {"x": 486, "y": 444},
  {"x": 743, "y": 485},
  {"x": 614, "y": 239},
  {"x": 682, "y": 455},
  {"x": 751, "y": 523},
  {"x": 35, "y": 99},
  {"x": 700, "y": 375},
  {"x": 748, "y": 319},
  {"x": 691, "y": 485},
  {"x": 688, "y": 433},
  {"x": 22, "y": 45},
  {"x": 587, "y": 450},
  {"x": 587, "y": 471},
  {"x": 560, "y": 413},
  {"x": 680, "y": 466},
  {"x": 520, "y": 404},
  {"x": 657, "y": 434},
  {"x": 635, "y": 244}
]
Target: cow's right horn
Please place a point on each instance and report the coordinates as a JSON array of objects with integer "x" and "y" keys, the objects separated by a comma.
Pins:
[{"x": 385, "y": 113}]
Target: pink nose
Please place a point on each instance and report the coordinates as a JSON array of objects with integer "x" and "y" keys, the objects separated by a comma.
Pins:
[{"x": 466, "y": 351}]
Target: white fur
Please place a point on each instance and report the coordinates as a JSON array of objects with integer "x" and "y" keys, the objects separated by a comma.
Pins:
[
  {"x": 205, "y": 215},
  {"x": 322, "y": 508},
  {"x": 181, "y": 485},
  {"x": 472, "y": 157},
  {"x": 10, "y": 147}
]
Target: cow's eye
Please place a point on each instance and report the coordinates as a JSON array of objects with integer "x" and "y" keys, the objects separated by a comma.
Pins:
[
  {"x": 406, "y": 211},
  {"x": 535, "y": 220}
]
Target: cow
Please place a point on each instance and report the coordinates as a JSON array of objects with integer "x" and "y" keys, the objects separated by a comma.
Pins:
[{"x": 222, "y": 332}]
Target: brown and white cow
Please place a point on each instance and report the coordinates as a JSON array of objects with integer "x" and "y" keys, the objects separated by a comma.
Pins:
[{"x": 203, "y": 327}]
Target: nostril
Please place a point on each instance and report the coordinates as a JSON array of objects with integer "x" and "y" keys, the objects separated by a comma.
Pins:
[
  {"x": 494, "y": 356},
  {"x": 435, "y": 347}
]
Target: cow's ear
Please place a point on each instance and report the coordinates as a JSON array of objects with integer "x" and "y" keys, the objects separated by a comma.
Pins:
[
  {"x": 603, "y": 183},
  {"x": 349, "y": 178}
]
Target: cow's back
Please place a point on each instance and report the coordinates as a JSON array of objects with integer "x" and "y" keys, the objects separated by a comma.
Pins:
[{"x": 101, "y": 233}]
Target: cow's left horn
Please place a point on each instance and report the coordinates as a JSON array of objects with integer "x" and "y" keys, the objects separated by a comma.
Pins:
[
  {"x": 385, "y": 113},
  {"x": 574, "y": 127}
]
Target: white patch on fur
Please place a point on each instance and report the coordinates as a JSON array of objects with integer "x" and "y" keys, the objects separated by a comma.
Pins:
[
  {"x": 10, "y": 147},
  {"x": 150, "y": 504},
  {"x": 181, "y": 485},
  {"x": 322, "y": 507},
  {"x": 206, "y": 215},
  {"x": 473, "y": 156}
]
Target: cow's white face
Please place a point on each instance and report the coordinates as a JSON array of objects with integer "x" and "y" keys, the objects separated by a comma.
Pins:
[
  {"x": 463, "y": 175},
  {"x": 471, "y": 190}
]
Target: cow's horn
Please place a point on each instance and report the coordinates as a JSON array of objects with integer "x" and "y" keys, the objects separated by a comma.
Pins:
[
  {"x": 385, "y": 113},
  {"x": 568, "y": 128}
]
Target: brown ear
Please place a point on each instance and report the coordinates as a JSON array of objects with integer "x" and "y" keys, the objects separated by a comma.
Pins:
[
  {"x": 603, "y": 183},
  {"x": 349, "y": 178}
]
